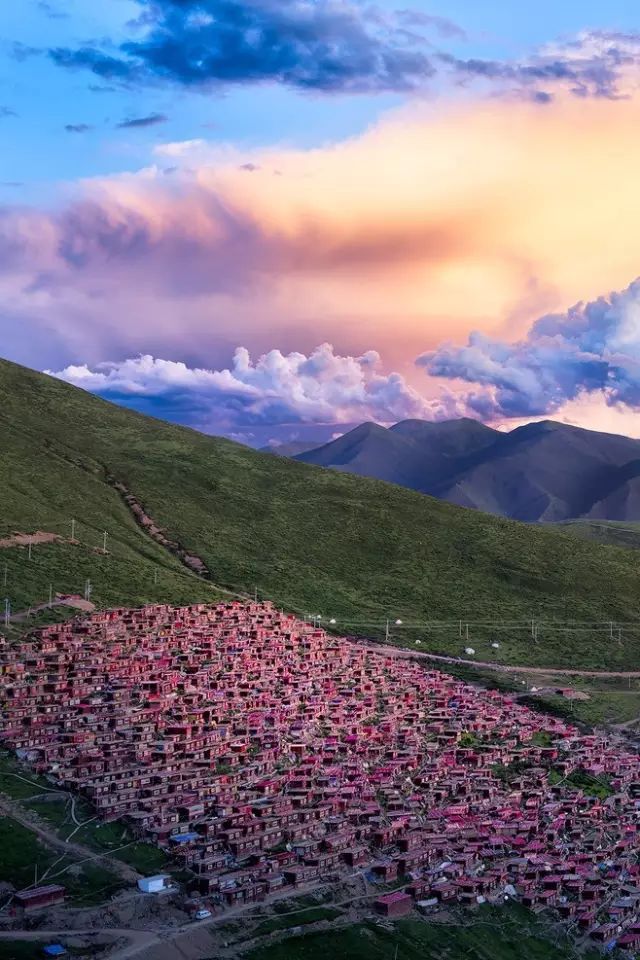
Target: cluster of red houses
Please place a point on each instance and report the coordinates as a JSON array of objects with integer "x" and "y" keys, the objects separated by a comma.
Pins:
[{"x": 261, "y": 752}]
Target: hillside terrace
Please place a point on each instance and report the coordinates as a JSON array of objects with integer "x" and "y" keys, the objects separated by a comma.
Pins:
[{"x": 262, "y": 752}]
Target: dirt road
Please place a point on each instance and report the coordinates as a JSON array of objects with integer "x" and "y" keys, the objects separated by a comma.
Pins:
[{"x": 404, "y": 653}]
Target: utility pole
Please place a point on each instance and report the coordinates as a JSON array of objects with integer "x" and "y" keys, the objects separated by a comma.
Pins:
[
  {"x": 386, "y": 633},
  {"x": 7, "y": 611},
  {"x": 50, "y": 594},
  {"x": 104, "y": 542},
  {"x": 255, "y": 594},
  {"x": 155, "y": 577},
  {"x": 30, "y": 542},
  {"x": 87, "y": 589},
  {"x": 73, "y": 529}
]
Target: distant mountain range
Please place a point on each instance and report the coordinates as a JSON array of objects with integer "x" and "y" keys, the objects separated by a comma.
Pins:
[{"x": 543, "y": 471}]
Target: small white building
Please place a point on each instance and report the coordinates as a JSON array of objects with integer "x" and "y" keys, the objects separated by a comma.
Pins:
[{"x": 154, "y": 884}]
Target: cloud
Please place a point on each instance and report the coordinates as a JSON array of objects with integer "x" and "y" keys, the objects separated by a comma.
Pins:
[
  {"x": 342, "y": 46},
  {"x": 596, "y": 63},
  {"x": 277, "y": 388},
  {"x": 151, "y": 120},
  {"x": 50, "y": 11},
  {"x": 333, "y": 46},
  {"x": 442, "y": 25},
  {"x": 593, "y": 348},
  {"x": 390, "y": 238},
  {"x": 7, "y": 112},
  {"x": 78, "y": 127}
]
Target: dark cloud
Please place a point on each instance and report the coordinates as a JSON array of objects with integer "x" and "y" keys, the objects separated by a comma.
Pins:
[
  {"x": 151, "y": 120},
  {"x": 48, "y": 9},
  {"x": 7, "y": 112},
  {"x": 336, "y": 46},
  {"x": 78, "y": 127},
  {"x": 592, "y": 348},
  {"x": 103, "y": 65},
  {"x": 591, "y": 65},
  {"x": 21, "y": 51}
]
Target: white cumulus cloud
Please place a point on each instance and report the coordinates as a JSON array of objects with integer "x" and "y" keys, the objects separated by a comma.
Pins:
[{"x": 276, "y": 388}]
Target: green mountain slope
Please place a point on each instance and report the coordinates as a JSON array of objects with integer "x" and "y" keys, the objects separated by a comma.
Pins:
[
  {"x": 617, "y": 533},
  {"x": 314, "y": 540}
]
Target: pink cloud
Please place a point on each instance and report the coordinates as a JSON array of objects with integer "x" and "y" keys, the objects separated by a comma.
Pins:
[{"x": 438, "y": 220}]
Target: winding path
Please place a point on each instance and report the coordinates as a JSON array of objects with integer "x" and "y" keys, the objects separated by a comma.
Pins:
[{"x": 405, "y": 653}]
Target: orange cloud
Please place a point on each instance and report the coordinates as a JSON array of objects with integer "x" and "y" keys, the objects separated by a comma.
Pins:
[{"x": 474, "y": 214}]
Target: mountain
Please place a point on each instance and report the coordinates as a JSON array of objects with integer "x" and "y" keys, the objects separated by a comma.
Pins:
[
  {"x": 315, "y": 541},
  {"x": 543, "y": 471},
  {"x": 413, "y": 453}
]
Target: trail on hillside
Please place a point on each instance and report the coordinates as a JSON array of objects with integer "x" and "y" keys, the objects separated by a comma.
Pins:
[
  {"x": 148, "y": 524},
  {"x": 505, "y": 667}
]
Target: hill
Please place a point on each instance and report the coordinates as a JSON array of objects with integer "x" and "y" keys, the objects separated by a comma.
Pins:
[
  {"x": 539, "y": 472},
  {"x": 316, "y": 541}
]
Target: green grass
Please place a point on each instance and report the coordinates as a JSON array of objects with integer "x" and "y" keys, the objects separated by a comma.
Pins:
[
  {"x": 105, "y": 837},
  {"x": 11, "y": 783},
  {"x": 21, "y": 850},
  {"x": 23, "y": 949},
  {"x": 301, "y": 918},
  {"x": 32, "y": 949},
  {"x": 55, "y": 810},
  {"x": 580, "y": 780},
  {"x": 617, "y": 533},
  {"x": 485, "y": 934},
  {"x": 316, "y": 541}
]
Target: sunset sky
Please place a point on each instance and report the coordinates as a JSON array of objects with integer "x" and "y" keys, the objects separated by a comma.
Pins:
[{"x": 274, "y": 218}]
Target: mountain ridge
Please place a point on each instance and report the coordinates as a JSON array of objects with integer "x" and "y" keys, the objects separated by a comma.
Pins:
[{"x": 542, "y": 471}]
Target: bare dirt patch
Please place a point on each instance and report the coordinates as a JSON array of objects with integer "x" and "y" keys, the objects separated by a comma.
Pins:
[{"x": 24, "y": 539}]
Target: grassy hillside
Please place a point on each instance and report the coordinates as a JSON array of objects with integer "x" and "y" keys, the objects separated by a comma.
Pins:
[
  {"x": 487, "y": 934},
  {"x": 616, "y": 533},
  {"x": 315, "y": 540}
]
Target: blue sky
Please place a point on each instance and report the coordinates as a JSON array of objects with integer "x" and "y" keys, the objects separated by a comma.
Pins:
[
  {"x": 46, "y": 99},
  {"x": 261, "y": 217}
]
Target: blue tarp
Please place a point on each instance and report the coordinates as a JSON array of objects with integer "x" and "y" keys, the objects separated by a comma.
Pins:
[{"x": 184, "y": 837}]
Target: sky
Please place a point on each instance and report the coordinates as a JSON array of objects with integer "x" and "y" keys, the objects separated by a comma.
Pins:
[{"x": 274, "y": 219}]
